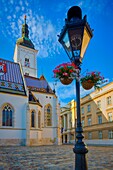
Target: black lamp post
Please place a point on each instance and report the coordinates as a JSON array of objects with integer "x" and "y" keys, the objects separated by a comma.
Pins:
[{"x": 75, "y": 37}]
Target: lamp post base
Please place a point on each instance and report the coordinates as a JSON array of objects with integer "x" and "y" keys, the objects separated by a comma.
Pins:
[{"x": 80, "y": 151}]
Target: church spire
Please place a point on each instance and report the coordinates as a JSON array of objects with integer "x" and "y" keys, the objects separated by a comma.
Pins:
[
  {"x": 25, "y": 19},
  {"x": 25, "y": 31},
  {"x": 24, "y": 40}
]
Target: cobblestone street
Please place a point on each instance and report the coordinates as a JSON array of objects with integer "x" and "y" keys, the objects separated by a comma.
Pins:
[{"x": 52, "y": 158}]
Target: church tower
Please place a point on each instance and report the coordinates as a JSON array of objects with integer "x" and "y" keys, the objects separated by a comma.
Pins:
[{"x": 25, "y": 52}]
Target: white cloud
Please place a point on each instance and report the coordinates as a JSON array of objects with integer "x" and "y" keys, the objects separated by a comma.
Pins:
[
  {"x": 14, "y": 16},
  {"x": 17, "y": 8},
  {"x": 9, "y": 17},
  {"x": 5, "y": 9},
  {"x": 13, "y": 25},
  {"x": 20, "y": 3},
  {"x": 42, "y": 31},
  {"x": 62, "y": 104},
  {"x": 80, "y": 3},
  {"x": 66, "y": 92},
  {"x": 11, "y": 1},
  {"x": 22, "y": 8},
  {"x": 26, "y": 3}
]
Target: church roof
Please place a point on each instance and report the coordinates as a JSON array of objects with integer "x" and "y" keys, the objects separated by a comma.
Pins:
[
  {"x": 36, "y": 84},
  {"x": 11, "y": 78},
  {"x": 25, "y": 42},
  {"x": 33, "y": 99}
]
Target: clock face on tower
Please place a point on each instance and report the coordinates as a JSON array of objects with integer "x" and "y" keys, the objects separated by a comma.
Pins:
[{"x": 76, "y": 41}]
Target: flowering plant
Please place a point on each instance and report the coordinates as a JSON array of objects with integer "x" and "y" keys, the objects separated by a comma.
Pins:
[
  {"x": 65, "y": 70},
  {"x": 93, "y": 77}
]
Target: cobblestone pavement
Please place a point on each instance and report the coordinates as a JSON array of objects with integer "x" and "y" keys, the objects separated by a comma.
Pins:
[{"x": 52, "y": 158}]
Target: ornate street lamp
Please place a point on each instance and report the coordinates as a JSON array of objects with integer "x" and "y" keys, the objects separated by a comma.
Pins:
[{"x": 75, "y": 37}]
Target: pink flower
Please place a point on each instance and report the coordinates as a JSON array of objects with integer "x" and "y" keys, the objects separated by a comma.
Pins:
[
  {"x": 65, "y": 74},
  {"x": 65, "y": 69}
]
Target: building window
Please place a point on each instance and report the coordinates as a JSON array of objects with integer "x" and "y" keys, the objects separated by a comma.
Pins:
[
  {"x": 48, "y": 115},
  {"x": 27, "y": 74},
  {"x": 99, "y": 119},
  {"x": 32, "y": 119},
  {"x": 89, "y": 121},
  {"x": 89, "y": 108},
  {"x": 89, "y": 135},
  {"x": 39, "y": 120},
  {"x": 82, "y": 123},
  {"x": 27, "y": 63},
  {"x": 100, "y": 135},
  {"x": 110, "y": 134},
  {"x": 110, "y": 117},
  {"x": 109, "y": 100},
  {"x": 99, "y": 104},
  {"x": 7, "y": 116},
  {"x": 82, "y": 110}
]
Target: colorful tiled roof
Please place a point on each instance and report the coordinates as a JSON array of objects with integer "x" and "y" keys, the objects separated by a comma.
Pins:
[
  {"x": 36, "y": 84},
  {"x": 11, "y": 78}
]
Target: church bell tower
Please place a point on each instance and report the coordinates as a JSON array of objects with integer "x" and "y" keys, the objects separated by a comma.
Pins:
[{"x": 25, "y": 52}]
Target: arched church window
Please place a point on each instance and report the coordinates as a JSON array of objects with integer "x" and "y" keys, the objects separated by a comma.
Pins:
[
  {"x": 33, "y": 118},
  {"x": 7, "y": 116},
  {"x": 39, "y": 119},
  {"x": 27, "y": 63},
  {"x": 48, "y": 115}
]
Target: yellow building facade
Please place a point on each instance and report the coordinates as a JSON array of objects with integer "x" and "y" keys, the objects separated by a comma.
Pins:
[
  {"x": 96, "y": 116},
  {"x": 68, "y": 119}
]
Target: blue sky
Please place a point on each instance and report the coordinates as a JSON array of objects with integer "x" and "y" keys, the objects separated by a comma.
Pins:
[{"x": 45, "y": 20}]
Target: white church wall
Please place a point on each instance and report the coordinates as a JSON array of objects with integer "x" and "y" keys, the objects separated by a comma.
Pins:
[
  {"x": 49, "y": 134},
  {"x": 59, "y": 140},
  {"x": 35, "y": 132},
  {"x": 55, "y": 116},
  {"x": 16, "y": 134},
  {"x": 19, "y": 105},
  {"x": 35, "y": 137},
  {"x": 12, "y": 133},
  {"x": 45, "y": 99},
  {"x": 35, "y": 108}
]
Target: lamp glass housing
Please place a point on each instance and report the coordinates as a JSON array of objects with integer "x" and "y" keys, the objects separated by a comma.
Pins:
[
  {"x": 75, "y": 40},
  {"x": 85, "y": 42}
]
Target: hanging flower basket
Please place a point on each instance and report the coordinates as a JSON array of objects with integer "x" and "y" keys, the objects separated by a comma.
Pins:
[
  {"x": 65, "y": 72},
  {"x": 66, "y": 81},
  {"x": 87, "y": 85},
  {"x": 92, "y": 79}
]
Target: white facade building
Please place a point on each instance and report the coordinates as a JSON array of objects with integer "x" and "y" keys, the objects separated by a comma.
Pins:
[{"x": 29, "y": 109}]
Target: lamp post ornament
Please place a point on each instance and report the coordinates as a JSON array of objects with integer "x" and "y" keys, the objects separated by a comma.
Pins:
[{"x": 75, "y": 37}]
